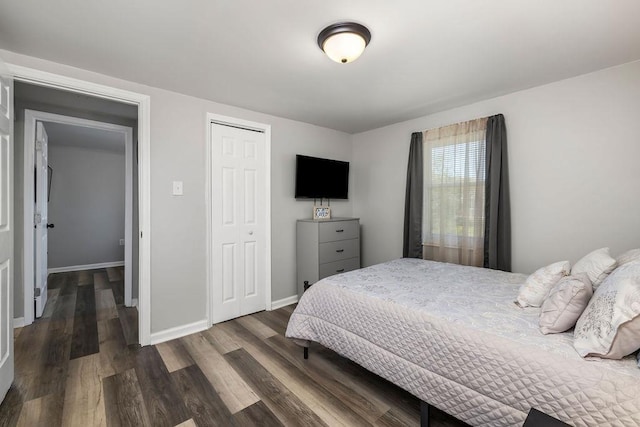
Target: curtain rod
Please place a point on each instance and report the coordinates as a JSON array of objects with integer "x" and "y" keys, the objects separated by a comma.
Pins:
[{"x": 457, "y": 123}]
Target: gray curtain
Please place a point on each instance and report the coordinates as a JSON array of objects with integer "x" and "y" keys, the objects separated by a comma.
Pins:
[
  {"x": 497, "y": 228},
  {"x": 412, "y": 245}
]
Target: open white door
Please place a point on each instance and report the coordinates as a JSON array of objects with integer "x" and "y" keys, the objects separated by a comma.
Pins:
[
  {"x": 41, "y": 217},
  {"x": 6, "y": 231}
]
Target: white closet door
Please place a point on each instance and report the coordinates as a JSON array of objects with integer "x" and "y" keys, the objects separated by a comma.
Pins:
[{"x": 239, "y": 221}]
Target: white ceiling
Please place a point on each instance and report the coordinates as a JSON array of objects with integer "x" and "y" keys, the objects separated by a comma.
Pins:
[
  {"x": 60, "y": 134},
  {"x": 424, "y": 56}
]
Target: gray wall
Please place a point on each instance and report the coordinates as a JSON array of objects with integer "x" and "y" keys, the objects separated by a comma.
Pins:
[
  {"x": 573, "y": 148},
  {"x": 47, "y": 104},
  {"x": 178, "y": 224},
  {"x": 86, "y": 205},
  {"x": 573, "y": 151}
]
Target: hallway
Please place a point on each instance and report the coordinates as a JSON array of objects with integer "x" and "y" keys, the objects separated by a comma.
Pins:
[{"x": 84, "y": 316}]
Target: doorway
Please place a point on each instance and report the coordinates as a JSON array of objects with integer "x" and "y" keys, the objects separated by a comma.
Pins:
[
  {"x": 89, "y": 93},
  {"x": 91, "y": 227}
]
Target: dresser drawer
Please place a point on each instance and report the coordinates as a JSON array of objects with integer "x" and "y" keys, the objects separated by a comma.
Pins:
[
  {"x": 335, "y": 251},
  {"x": 325, "y": 248},
  {"x": 337, "y": 230},
  {"x": 331, "y": 268}
]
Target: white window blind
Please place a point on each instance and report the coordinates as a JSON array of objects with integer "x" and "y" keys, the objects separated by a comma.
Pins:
[{"x": 453, "y": 210}]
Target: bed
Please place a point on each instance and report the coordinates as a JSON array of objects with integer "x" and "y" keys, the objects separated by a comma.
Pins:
[{"x": 452, "y": 336}]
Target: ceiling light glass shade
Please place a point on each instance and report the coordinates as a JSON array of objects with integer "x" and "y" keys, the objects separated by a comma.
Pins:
[
  {"x": 344, "y": 47},
  {"x": 344, "y": 42}
]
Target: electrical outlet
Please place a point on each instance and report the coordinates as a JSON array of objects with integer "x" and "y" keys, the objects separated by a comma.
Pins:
[{"x": 121, "y": 242}]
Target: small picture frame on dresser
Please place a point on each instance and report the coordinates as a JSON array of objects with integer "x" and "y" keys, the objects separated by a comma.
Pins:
[{"x": 321, "y": 212}]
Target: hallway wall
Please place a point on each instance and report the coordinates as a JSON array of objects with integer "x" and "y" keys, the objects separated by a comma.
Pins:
[{"x": 86, "y": 206}]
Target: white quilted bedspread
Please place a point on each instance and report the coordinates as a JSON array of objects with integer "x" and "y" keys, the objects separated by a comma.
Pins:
[{"x": 453, "y": 337}]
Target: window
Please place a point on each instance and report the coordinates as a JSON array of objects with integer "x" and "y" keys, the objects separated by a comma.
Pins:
[{"x": 454, "y": 186}]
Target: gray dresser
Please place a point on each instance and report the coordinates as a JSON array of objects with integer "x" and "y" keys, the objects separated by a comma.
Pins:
[{"x": 326, "y": 247}]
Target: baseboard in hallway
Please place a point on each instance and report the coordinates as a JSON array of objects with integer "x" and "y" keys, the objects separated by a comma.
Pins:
[{"x": 85, "y": 267}]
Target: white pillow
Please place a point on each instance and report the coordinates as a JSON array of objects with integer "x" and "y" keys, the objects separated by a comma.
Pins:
[
  {"x": 629, "y": 256},
  {"x": 565, "y": 303},
  {"x": 597, "y": 264},
  {"x": 538, "y": 285},
  {"x": 610, "y": 325}
]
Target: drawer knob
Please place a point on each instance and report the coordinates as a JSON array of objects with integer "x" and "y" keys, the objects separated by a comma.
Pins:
[
  {"x": 339, "y": 250},
  {"x": 340, "y": 271},
  {"x": 339, "y": 231}
]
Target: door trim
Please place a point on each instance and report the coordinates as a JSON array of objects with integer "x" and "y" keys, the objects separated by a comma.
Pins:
[
  {"x": 143, "y": 102},
  {"x": 245, "y": 124},
  {"x": 30, "y": 119}
]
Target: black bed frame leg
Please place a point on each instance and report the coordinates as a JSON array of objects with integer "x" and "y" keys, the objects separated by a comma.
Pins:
[
  {"x": 424, "y": 414},
  {"x": 306, "y": 352}
]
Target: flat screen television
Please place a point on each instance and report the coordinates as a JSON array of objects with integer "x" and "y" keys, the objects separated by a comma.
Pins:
[{"x": 321, "y": 178}]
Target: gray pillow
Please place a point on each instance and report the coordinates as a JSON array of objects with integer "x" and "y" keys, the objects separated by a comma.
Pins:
[{"x": 565, "y": 303}]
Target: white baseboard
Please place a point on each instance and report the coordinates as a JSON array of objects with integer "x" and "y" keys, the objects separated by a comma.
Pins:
[
  {"x": 18, "y": 322},
  {"x": 179, "y": 331},
  {"x": 201, "y": 325},
  {"x": 85, "y": 267},
  {"x": 284, "y": 302}
]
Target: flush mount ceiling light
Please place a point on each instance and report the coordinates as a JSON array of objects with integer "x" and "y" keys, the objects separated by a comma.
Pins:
[{"x": 345, "y": 41}]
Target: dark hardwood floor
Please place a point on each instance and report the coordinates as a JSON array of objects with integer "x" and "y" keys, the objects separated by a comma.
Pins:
[{"x": 79, "y": 366}]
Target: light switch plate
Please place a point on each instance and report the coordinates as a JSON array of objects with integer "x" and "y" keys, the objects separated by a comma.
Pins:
[
  {"x": 177, "y": 188},
  {"x": 121, "y": 242}
]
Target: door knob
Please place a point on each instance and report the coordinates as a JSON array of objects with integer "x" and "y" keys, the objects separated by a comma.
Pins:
[{"x": 51, "y": 225}]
